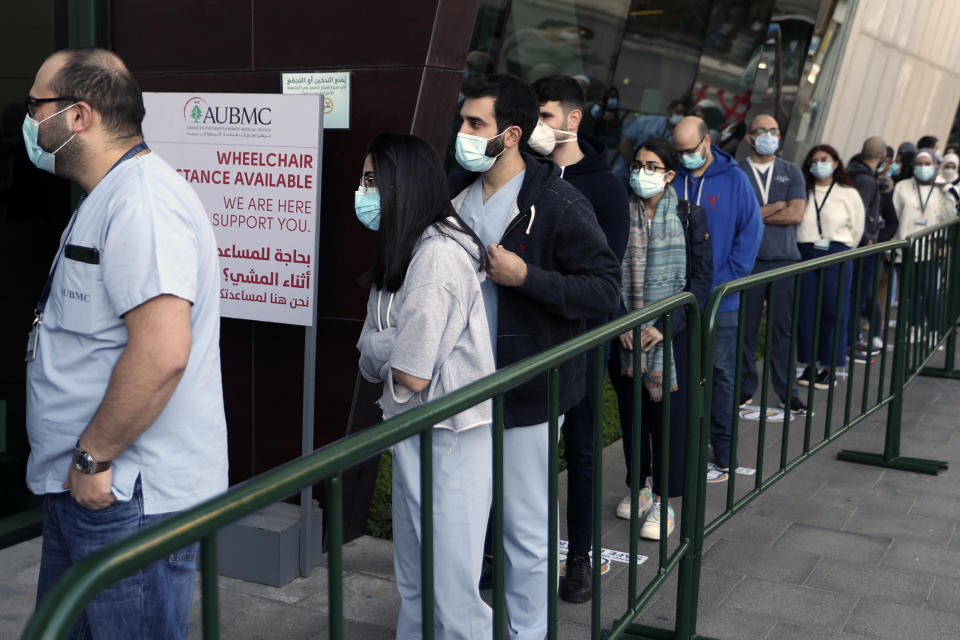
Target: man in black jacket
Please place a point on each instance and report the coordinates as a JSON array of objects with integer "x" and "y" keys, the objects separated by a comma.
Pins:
[
  {"x": 583, "y": 164},
  {"x": 550, "y": 269},
  {"x": 862, "y": 170}
]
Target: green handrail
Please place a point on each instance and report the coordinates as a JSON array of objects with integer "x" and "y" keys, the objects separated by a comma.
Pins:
[{"x": 78, "y": 585}]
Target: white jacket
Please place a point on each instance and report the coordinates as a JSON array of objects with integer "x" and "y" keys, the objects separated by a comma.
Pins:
[
  {"x": 915, "y": 218},
  {"x": 841, "y": 216}
]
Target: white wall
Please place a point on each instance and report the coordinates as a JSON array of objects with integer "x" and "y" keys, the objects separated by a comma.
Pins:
[{"x": 900, "y": 76}]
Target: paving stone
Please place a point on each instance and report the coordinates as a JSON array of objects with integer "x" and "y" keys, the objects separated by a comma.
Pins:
[
  {"x": 932, "y": 531},
  {"x": 937, "y": 506},
  {"x": 857, "y": 579},
  {"x": 791, "y": 631},
  {"x": 811, "y": 513},
  {"x": 916, "y": 557},
  {"x": 792, "y": 603},
  {"x": 759, "y": 560},
  {"x": 944, "y": 595},
  {"x": 893, "y": 621},
  {"x": 366, "y": 599},
  {"x": 727, "y": 622},
  {"x": 293, "y": 592},
  {"x": 247, "y": 617},
  {"x": 854, "y": 547},
  {"x": 747, "y": 526}
]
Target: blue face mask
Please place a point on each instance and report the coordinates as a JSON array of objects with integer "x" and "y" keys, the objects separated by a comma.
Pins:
[
  {"x": 675, "y": 119},
  {"x": 612, "y": 103},
  {"x": 693, "y": 161},
  {"x": 40, "y": 158},
  {"x": 471, "y": 152},
  {"x": 923, "y": 173},
  {"x": 894, "y": 168},
  {"x": 366, "y": 202},
  {"x": 647, "y": 186},
  {"x": 767, "y": 144},
  {"x": 821, "y": 170}
]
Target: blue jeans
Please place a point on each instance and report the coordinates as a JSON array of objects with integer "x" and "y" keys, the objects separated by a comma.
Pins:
[
  {"x": 724, "y": 370},
  {"x": 153, "y": 602},
  {"x": 832, "y": 319}
]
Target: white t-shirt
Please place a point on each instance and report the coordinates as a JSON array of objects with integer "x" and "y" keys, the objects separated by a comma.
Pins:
[
  {"x": 153, "y": 238},
  {"x": 841, "y": 216}
]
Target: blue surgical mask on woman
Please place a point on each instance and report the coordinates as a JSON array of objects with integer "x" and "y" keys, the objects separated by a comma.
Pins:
[
  {"x": 366, "y": 202},
  {"x": 647, "y": 186},
  {"x": 821, "y": 170},
  {"x": 923, "y": 172}
]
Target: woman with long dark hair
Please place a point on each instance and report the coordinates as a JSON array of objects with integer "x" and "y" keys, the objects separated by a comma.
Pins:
[
  {"x": 425, "y": 335},
  {"x": 832, "y": 222},
  {"x": 668, "y": 251}
]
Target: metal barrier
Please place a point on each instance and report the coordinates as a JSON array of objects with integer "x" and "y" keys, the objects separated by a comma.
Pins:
[
  {"x": 928, "y": 309},
  {"x": 79, "y": 584}
]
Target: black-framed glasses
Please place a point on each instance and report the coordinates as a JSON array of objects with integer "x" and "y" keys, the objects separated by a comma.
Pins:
[
  {"x": 694, "y": 148},
  {"x": 368, "y": 180},
  {"x": 648, "y": 168},
  {"x": 760, "y": 131},
  {"x": 30, "y": 103}
]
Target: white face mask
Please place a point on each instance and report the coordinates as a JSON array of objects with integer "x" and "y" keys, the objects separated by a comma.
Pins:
[
  {"x": 949, "y": 174},
  {"x": 543, "y": 140}
]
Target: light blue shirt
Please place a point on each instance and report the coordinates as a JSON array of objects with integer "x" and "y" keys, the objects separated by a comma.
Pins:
[
  {"x": 153, "y": 238},
  {"x": 489, "y": 220}
]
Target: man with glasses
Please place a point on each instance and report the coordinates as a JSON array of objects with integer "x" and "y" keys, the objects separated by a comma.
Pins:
[
  {"x": 710, "y": 178},
  {"x": 124, "y": 400},
  {"x": 781, "y": 191}
]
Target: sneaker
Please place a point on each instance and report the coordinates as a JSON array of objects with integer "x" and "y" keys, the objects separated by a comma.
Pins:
[
  {"x": 796, "y": 406},
  {"x": 860, "y": 354},
  {"x": 876, "y": 345},
  {"x": 644, "y": 500},
  {"x": 651, "y": 527},
  {"x": 575, "y": 585},
  {"x": 745, "y": 399},
  {"x": 804, "y": 378},
  {"x": 716, "y": 474},
  {"x": 822, "y": 380}
]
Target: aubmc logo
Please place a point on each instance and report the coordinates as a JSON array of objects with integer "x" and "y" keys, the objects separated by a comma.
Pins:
[{"x": 197, "y": 111}]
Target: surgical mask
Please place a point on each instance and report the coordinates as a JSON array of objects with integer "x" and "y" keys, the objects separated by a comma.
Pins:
[
  {"x": 542, "y": 139},
  {"x": 471, "y": 152},
  {"x": 675, "y": 119},
  {"x": 366, "y": 202},
  {"x": 949, "y": 174},
  {"x": 923, "y": 173},
  {"x": 693, "y": 161},
  {"x": 647, "y": 186},
  {"x": 894, "y": 168},
  {"x": 40, "y": 158},
  {"x": 821, "y": 170},
  {"x": 612, "y": 103},
  {"x": 767, "y": 144}
]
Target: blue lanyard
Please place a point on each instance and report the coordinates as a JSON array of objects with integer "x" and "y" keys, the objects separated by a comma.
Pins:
[{"x": 45, "y": 294}]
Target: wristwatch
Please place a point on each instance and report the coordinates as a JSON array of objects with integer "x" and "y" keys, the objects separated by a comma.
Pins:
[{"x": 85, "y": 463}]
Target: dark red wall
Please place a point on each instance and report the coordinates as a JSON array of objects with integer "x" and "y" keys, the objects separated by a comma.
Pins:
[{"x": 405, "y": 60}]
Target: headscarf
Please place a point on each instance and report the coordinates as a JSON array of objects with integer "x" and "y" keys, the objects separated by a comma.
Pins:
[
  {"x": 654, "y": 267},
  {"x": 929, "y": 154},
  {"x": 950, "y": 175}
]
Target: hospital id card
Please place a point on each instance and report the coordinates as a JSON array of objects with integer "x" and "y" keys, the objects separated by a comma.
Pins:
[
  {"x": 32, "y": 339},
  {"x": 821, "y": 245}
]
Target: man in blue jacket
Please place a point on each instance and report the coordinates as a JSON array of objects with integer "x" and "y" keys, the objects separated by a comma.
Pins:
[
  {"x": 710, "y": 178},
  {"x": 583, "y": 163},
  {"x": 550, "y": 269}
]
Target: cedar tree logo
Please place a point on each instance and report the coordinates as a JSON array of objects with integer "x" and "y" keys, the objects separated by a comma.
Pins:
[{"x": 194, "y": 109}]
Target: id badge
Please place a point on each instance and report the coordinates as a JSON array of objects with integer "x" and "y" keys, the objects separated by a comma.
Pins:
[
  {"x": 821, "y": 245},
  {"x": 920, "y": 222},
  {"x": 32, "y": 339}
]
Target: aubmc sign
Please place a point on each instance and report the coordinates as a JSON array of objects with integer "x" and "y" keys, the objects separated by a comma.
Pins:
[{"x": 197, "y": 111}]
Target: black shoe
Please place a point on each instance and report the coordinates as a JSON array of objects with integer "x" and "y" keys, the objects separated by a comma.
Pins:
[
  {"x": 575, "y": 586},
  {"x": 486, "y": 572},
  {"x": 796, "y": 406},
  {"x": 745, "y": 399},
  {"x": 804, "y": 378},
  {"x": 823, "y": 380}
]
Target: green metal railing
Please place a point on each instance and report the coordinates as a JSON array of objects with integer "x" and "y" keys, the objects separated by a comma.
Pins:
[
  {"x": 928, "y": 310},
  {"x": 79, "y": 584}
]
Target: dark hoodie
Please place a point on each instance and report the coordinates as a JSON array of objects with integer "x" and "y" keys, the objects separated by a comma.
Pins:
[
  {"x": 865, "y": 180},
  {"x": 593, "y": 178},
  {"x": 572, "y": 275}
]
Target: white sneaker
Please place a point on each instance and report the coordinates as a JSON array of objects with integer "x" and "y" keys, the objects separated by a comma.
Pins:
[
  {"x": 651, "y": 527},
  {"x": 644, "y": 501},
  {"x": 716, "y": 474},
  {"x": 877, "y": 344}
]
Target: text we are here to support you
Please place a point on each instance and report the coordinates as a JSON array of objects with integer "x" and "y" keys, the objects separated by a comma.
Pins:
[{"x": 253, "y": 161}]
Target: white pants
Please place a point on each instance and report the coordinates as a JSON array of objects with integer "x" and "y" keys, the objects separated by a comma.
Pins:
[
  {"x": 526, "y": 514},
  {"x": 462, "y": 494}
]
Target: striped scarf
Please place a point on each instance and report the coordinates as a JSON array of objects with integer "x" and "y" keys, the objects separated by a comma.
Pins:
[{"x": 654, "y": 267}]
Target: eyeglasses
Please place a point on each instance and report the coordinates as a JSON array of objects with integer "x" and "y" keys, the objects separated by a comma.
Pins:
[
  {"x": 30, "y": 103},
  {"x": 368, "y": 181},
  {"x": 692, "y": 149},
  {"x": 649, "y": 168},
  {"x": 761, "y": 131}
]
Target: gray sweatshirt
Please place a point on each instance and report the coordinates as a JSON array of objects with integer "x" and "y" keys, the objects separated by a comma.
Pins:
[{"x": 434, "y": 327}]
